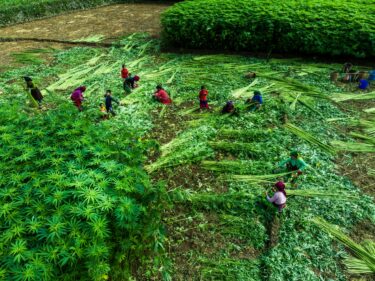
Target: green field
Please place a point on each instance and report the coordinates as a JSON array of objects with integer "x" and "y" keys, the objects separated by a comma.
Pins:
[
  {"x": 169, "y": 192},
  {"x": 175, "y": 191}
]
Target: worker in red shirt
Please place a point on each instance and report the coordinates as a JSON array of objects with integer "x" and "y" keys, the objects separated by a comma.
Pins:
[
  {"x": 161, "y": 95},
  {"x": 203, "y": 103},
  {"x": 124, "y": 72}
]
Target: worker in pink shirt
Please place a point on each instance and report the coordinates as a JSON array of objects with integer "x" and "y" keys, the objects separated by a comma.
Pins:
[{"x": 279, "y": 198}]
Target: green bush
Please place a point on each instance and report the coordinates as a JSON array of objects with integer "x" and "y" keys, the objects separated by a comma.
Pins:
[{"x": 293, "y": 26}]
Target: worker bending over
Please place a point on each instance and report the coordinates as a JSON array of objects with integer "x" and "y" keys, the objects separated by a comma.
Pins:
[
  {"x": 295, "y": 165},
  {"x": 130, "y": 83},
  {"x": 161, "y": 95},
  {"x": 255, "y": 102},
  {"x": 228, "y": 108},
  {"x": 279, "y": 198},
  {"x": 77, "y": 97},
  {"x": 33, "y": 90}
]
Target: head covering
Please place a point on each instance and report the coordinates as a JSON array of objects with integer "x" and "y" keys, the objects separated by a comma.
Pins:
[
  {"x": 258, "y": 93},
  {"x": 136, "y": 78},
  {"x": 27, "y": 79},
  {"x": 294, "y": 153},
  {"x": 280, "y": 187}
]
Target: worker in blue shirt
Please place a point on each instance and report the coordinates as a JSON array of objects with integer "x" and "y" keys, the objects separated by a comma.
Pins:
[
  {"x": 363, "y": 84},
  {"x": 108, "y": 102},
  {"x": 371, "y": 76},
  {"x": 255, "y": 102}
]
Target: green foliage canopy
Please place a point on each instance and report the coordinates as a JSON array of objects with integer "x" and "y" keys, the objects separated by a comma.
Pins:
[
  {"x": 293, "y": 26},
  {"x": 73, "y": 198}
]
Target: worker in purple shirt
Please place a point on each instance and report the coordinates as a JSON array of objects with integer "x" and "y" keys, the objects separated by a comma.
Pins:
[
  {"x": 255, "y": 102},
  {"x": 77, "y": 97}
]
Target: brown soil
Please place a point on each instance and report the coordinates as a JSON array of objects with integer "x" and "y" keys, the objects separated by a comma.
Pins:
[
  {"x": 9, "y": 48},
  {"x": 110, "y": 21},
  {"x": 364, "y": 230},
  {"x": 199, "y": 237},
  {"x": 356, "y": 170}
]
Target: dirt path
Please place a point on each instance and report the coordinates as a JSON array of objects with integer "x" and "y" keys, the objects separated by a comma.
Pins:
[{"x": 110, "y": 21}]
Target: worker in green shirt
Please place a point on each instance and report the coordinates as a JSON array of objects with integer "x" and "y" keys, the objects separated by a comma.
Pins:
[{"x": 295, "y": 165}]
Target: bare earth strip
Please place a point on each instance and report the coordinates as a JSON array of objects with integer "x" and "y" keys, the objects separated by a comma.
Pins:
[{"x": 110, "y": 21}]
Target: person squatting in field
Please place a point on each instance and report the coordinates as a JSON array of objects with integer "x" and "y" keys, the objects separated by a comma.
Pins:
[
  {"x": 295, "y": 165},
  {"x": 108, "y": 102},
  {"x": 255, "y": 102},
  {"x": 203, "y": 103},
  {"x": 229, "y": 108},
  {"x": 279, "y": 198},
  {"x": 130, "y": 83},
  {"x": 34, "y": 91},
  {"x": 363, "y": 84},
  {"x": 161, "y": 95},
  {"x": 77, "y": 97}
]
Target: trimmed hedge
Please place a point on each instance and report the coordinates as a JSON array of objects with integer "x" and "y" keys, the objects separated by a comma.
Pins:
[{"x": 323, "y": 27}]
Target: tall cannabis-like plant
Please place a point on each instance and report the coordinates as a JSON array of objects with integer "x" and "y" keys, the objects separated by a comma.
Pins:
[{"x": 72, "y": 196}]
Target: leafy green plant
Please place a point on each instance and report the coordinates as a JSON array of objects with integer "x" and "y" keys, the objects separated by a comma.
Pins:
[{"x": 313, "y": 26}]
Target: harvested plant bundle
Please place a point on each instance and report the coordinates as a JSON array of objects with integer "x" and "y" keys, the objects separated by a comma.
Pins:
[
  {"x": 245, "y": 134},
  {"x": 256, "y": 179},
  {"x": 353, "y": 146},
  {"x": 249, "y": 148},
  {"x": 358, "y": 96},
  {"x": 309, "y": 138},
  {"x": 236, "y": 167},
  {"x": 363, "y": 261},
  {"x": 321, "y": 194}
]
